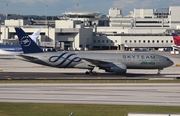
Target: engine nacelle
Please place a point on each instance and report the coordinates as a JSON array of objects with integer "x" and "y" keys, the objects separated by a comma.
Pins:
[{"x": 117, "y": 69}]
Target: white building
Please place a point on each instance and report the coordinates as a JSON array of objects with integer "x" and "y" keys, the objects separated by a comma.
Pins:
[
  {"x": 150, "y": 28},
  {"x": 72, "y": 33},
  {"x": 166, "y": 17}
]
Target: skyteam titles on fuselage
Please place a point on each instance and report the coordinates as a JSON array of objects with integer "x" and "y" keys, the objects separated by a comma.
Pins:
[{"x": 139, "y": 56}]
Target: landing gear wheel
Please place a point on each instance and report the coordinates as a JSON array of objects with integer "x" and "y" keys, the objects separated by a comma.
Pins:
[
  {"x": 91, "y": 73},
  {"x": 159, "y": 72},
  {"x": 87, "y": 72}
]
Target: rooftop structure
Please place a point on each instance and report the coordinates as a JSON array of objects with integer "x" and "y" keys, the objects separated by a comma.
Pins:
[
  {"x": 82, "y": 14},
  {"x": 88, "y": 18}
]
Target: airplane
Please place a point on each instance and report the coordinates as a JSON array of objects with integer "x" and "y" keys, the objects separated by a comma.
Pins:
[
  {"x": 10, "y": 49},
  {"x": 176, "y": 39},
  {"x": 16, "y": 49},
  {"x": 116, "y": 63}
]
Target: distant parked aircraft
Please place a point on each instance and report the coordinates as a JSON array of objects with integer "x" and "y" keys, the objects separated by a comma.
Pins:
[
  {"x": 116, "y": 63},
  {"x": 176, "y": 39}
]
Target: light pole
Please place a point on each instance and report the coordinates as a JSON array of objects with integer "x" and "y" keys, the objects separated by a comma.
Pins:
[
  {"x": 77, "y": 5},
  {"x": 47, "y": 38},
  {"x": 6, "y": 11},
  {"x": 46, "y": 13},
  {"x": 0, "y": 29}
]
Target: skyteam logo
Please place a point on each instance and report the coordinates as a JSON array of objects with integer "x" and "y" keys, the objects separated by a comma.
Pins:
[
  {"x": 25, "y": 41},
  {"x": 64, "y": 60}
]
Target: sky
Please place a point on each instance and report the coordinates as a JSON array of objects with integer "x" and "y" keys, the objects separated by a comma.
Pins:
[{"x": 57, "y": 7}]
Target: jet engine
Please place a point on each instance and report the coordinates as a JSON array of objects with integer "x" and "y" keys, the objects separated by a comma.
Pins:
[{"x": 117, "y": 68}]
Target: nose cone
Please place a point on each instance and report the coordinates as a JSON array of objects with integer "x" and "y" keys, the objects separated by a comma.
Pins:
[{"x": 170, "y": 62}]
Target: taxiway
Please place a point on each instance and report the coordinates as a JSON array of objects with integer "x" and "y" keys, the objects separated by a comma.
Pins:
[{"x": 121, "y": 94}]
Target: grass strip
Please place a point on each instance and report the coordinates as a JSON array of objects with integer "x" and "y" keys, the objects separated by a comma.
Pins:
[{"x": 45, "y": 109}]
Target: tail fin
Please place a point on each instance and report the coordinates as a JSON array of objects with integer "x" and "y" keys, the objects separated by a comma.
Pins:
[
  {"x": 35, "y": 35},
  {"x": 176, "y": 39},
  {"x": 27, "y": 44}
]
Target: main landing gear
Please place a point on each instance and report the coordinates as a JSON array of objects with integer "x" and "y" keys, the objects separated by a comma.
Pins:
[{"x": 93, "y": 71}]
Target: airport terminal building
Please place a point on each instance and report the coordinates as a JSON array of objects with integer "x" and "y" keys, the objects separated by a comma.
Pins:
[{"x": 142, "y": 28}]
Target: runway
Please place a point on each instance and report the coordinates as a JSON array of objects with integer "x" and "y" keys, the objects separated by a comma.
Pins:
[
  {"x": 121, "y": 94},
  {"x": 81, "y": 76}
]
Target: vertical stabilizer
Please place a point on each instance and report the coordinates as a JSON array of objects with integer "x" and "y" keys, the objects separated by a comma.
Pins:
[
  {"x": 35, "y": 35},
  {"x": 176, "y": 39},
  {"x": 27, "y": 44}
]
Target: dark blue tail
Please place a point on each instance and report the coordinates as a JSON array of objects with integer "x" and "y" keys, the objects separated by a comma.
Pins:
[{"x": 27, "y": 44}]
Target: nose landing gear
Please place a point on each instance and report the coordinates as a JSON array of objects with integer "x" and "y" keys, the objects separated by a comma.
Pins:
[{"x": 159, "y": 71}]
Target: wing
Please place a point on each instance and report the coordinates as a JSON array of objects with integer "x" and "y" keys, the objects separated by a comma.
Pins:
[
  {"x": 115, "y": 67},
  {"x": 98, "y": 63}
]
